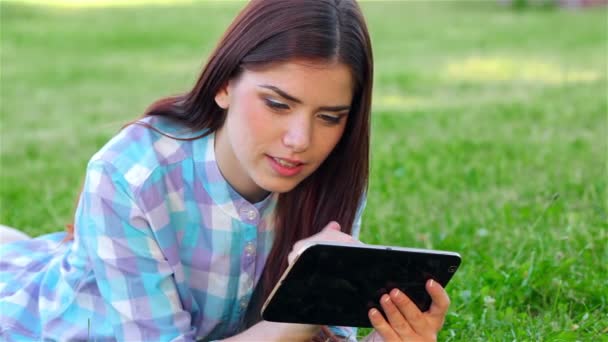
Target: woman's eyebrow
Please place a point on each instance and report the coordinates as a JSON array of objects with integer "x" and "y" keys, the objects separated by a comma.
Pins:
[
  {"x": 281, "y": 93},
  {"x": 292, "y": 98}
]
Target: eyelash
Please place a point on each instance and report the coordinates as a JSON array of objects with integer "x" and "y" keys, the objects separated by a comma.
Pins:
[
  {"x": 332, "y": 120},
  {"x": 278, "y": 106}
]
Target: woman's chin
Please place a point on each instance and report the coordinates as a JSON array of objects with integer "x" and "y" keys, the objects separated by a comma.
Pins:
[{"x": 278, "y": 186}]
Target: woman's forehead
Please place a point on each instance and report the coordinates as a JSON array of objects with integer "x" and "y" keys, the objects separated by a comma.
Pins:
[{"x": 307, "y": 80}]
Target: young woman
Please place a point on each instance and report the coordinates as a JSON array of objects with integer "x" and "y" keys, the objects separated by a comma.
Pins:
[{"x": 188, "y": 217}]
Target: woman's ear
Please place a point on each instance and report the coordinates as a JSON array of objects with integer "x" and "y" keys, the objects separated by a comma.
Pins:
[{"x": 222, "y": 97}]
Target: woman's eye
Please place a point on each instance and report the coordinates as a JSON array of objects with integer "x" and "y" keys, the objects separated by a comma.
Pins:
[
  {"x": 330, "y": 119},
  {"x": 275, "y": 104}
]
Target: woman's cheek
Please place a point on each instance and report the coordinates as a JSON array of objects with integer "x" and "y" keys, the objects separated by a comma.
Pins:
[{"x": 259, "y": 119}]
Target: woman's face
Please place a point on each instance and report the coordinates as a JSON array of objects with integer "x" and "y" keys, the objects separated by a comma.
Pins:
[{"x": 282, "y": 122}]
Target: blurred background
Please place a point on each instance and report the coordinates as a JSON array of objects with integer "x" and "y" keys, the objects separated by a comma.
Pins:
[{"x": 489, "y": 137}]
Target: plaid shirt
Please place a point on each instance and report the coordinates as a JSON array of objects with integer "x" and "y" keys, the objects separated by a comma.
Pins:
[{"x": 164, "y": 250}]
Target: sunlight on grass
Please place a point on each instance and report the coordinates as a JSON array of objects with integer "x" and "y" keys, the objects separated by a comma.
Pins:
[
  {"x": 484, "y": 69},
  {"x": 395, "y": 101},
  {"x": 100, "y": 3}
]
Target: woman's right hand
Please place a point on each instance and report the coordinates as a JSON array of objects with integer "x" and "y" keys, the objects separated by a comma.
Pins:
[
  {"x": 405, "y": 321},
  {"x": 330, "y": 233}
]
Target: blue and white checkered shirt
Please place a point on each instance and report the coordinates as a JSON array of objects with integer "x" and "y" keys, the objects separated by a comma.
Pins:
[{"x": 164, "y": 250}]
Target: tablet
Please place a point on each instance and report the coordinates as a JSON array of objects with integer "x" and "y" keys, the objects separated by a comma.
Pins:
[{"x": 337, "y": 284}]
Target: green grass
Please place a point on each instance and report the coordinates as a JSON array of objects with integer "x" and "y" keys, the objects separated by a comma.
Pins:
[{"x": 489, "y": 138}]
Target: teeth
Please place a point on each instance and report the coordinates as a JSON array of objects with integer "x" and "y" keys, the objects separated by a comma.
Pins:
[{"x": 284, "y": 163}]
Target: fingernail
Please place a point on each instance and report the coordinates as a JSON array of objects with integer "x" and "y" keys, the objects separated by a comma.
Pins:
[
  {"x": 373, "y": 312},
  {"x": 396, "y": 293},
  {"x": 386, "y": 298},
  {"x": 333, "y": 225},
  {"x": 431, "y": 283}
]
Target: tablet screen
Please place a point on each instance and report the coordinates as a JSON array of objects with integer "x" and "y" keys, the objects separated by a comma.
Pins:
[{"x": 337, "y": 285}]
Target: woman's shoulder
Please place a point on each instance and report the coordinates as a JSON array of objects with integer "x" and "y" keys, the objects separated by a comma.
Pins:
[{"x": 149, "y": 144}]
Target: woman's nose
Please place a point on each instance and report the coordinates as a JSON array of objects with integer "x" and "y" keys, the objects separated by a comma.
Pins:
[{"x": 298, "y": 134}]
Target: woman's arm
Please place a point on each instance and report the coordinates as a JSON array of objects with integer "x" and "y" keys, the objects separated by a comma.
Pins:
[
  {"x": 134, "y": 278},
  {"x": 271, "y": 331}
]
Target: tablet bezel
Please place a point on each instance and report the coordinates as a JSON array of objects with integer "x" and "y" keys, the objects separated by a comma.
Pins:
[{"x": 317, "y": 247}]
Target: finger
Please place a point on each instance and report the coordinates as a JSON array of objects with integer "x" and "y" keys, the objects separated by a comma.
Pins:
[
  {"x": 381, "y": 325},
  {"x": 293, "y": 253},
  {"x": 298, "y": 245},
  {"x": 296, "y": 250},
  {"x": 441, "y": 301},
  {"x": 333, "y": 232},
  {"x": 395, "y": 317},
  {"x": 333, "y": 225},
  {"x": 290, "y": 257},
  {"x": 409, "y": 310}
]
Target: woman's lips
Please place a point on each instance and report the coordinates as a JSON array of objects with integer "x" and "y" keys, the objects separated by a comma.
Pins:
[{"x": 285, "y": 167}]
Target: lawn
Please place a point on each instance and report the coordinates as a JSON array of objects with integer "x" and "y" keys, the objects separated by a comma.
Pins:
[{"x": 489, "y": 138}]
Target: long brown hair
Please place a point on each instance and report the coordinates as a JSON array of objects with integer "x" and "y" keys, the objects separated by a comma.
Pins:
[{"x": 271, "y": 31}]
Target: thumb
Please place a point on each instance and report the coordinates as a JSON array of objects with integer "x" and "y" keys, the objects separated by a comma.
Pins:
[{"x": 333, "y": 225}]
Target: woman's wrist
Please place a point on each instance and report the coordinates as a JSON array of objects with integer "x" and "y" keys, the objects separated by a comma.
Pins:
[{"x": 271, "y": 331}]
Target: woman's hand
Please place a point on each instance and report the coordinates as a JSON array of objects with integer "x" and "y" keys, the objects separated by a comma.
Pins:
[
  {"x": 331, "y": 232},
  {"x": 405, "y": 321}
]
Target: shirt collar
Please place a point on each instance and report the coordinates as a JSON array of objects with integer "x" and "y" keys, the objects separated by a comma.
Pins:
[{"x": 222, "y": 193}]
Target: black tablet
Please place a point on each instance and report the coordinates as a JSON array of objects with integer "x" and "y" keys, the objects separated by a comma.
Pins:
[{"x": 337, "y": 284}]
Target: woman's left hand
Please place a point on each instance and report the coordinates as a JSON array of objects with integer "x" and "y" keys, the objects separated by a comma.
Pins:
[
  {"x": 405, "y": 321},
  {"x": 331, "y": 233}
]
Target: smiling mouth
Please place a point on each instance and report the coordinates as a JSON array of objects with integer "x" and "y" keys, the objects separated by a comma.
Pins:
[{"x": 285, "y": 163}]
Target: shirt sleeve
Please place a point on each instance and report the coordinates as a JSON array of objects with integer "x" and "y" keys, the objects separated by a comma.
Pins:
[
  {"x": 350, "y": 333},
  {"x": 356, "y": 229},
  {"x": 134, "y": 278}
]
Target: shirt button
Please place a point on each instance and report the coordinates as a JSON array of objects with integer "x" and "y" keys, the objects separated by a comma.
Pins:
[
  {"x": 249, "y": 283},
  {"x": 250, "y": 249},
  {"x": 251, "y": 214},
  {"x": 244, "y": 302}
]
